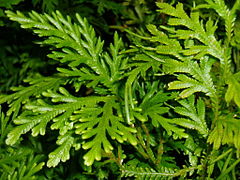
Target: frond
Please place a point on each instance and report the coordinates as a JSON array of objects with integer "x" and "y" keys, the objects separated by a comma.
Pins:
[
  {"x": 169, "y": 46},
  {"x": 147, "y": 173},
  {"x": 150, "y": 173},
  {"x": 77, "y": 46},
  {"x": 195, "y": 113},
  {"x": 95, "y": 124},
  {"x": 152, "y": 109},
  {"x": 232, "y": 93},
  {"x": 226, "y": 131},
  {"x": 198, "y": 79},
  {"x": 196, "y": 31},
  {"x": 226, "y": 14},
  {"x": 41, "y": 114},
  {"x": 22, "y": 94},
  {"x": 84, "y": 115},
  {"x": 62, "y": 153}
]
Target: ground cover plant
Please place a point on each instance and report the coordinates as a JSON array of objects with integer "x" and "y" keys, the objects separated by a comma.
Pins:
[{"x": 119, "y": 89}]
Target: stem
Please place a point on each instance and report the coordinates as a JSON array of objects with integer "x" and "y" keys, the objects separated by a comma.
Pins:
[
  {"x": 227, "y": 162},
  {"x": 206, "y": 163},
  {"x": 228, "y": 169},
  {"x": 148, "y": 154},
  {"x": 160, "y": 151},
  {"x": 221, "y": 156},
  {"x": 148, "y": 148}
]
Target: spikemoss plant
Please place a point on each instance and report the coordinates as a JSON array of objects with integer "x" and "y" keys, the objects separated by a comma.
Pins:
[{"x": 171, "y": 98}]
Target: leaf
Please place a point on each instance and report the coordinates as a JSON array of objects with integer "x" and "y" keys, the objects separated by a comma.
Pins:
[
  {"x": 194, "y": 29},
  {"x": 79, "y": 53},
  {"x": 226, "y": 131},
  {"x": 232, "y": 93},
  {"x": 22, "y": 94},
  {"x": 38, "y": 122},
  {"x": 152, "y": 108},
  {"x": 195, "y": 113},
  {"x": 147, "y": 173},
  {"x": 224, "y": 12},
  {"x": 62, "y": 152},
  {"x": 170, "y": 46},
  {"x": 150, "y": 173},
  {"x": 199, "y": 80},
  {"x": 78, "y": 46},
  {"x": 97, "y": 125}
]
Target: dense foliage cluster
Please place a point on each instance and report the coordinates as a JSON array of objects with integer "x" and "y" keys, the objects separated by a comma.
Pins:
[{"x": 131, "y": 89}]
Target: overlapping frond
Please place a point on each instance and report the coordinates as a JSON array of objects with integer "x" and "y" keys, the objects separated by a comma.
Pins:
[
  {"x": 77, "y": 46},
  {"x": 83, "y": 61},
  {"x": 84, "y": 115},
  {"x": 104, "y": 99},
  {"x": 95, "y": 124},
  {"x": 152, "y": 108},
  {"x": 195, "y": 113},
  {"x": 147, "y": 173},
  {"x": 150, "y": 173},
  {"x": 226, "y": 131},
  {"x": 232, "y": 93},
  {"x": 225, "y": 13},
  {"x": 195, "y": 30},
  {"x": 22, "y": 94},
  {"x": 193, "y": 77}
]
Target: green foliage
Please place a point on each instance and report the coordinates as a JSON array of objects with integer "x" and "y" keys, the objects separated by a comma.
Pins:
[
  {"x": 232, "y": 91},
  {"x": 18, "y": 162},
  {"x": 195, "y": 113},
  {"x": 160, "y": 101},
  {"x": 202, "y": 64},
  {"x": 8, "y": 4},
  {"x": 100, "y": 70},
  {"x": 147, "y": 173},
  {"x": 48, "y": 5},
  {"x": 225, "y": 132}
]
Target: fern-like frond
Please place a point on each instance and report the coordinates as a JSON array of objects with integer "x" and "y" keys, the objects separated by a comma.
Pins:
[
  {"x": 77, "y": 46},
  {"x": 197, "y": 80},
  {"x": 232, "y": 93},
  {"x": 196, "y": 31},
  {"x": 195, "y": 113},
  {"x": 225, "y": 13},
  {"x": 22, "y": 94},
  {"x": 151, "y": 108},
  {"x": 84, "y": 115},
  {"x": 226, "y": 131},
  {"x": 95, "y": 124},
  {"x": 78, "y": 41},
  {"x": 193, "y": 76},
  {"x": 150, "y": 173},
  {"x": 147, "y": 173},
  {"x": 169, "y": 46},
  {"x": 62, "y": 153},
  {"x": 80, "y": 53},
  {"x": 43, "y": 113},
  {"x": 195, "y": 27}
]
